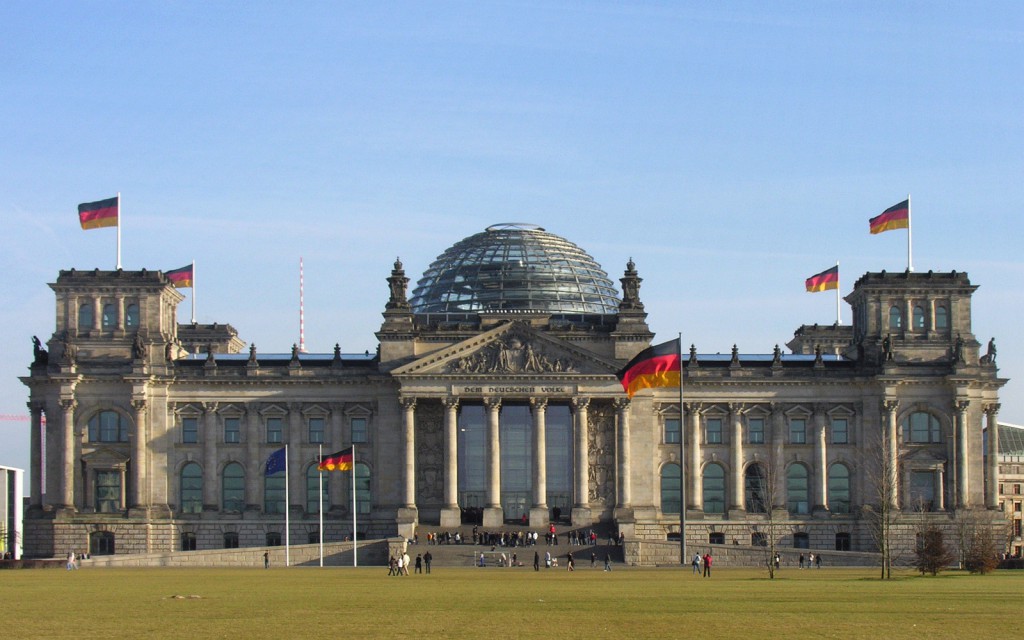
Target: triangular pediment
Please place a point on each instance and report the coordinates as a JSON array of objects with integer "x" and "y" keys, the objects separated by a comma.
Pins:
[
  {"x": 921, "y": 457},
  {"x": 513, "y": 349},
  {"x": 105, "y": 457}
]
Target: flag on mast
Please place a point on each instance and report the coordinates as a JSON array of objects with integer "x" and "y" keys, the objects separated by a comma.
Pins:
[
  {"x": 338, "y": 461},
  {"x": 827, "y": 279},
  {"x": 181, "y": 278},
  {"x": 656, "y": 366},
  {"x": 895, "y": 217},
  {"x": 278, "y": 461},
  {"x": 99, "y": 214}
]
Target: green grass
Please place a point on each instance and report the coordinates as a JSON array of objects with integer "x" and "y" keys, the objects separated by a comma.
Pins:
[{"x": 505, "y": 603}]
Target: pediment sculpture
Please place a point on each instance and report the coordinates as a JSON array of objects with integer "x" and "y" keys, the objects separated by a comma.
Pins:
[{"x": 514, "y": 354}]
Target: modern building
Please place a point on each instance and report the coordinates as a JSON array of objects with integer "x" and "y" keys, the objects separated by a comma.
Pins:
[
  {"x": 1011, "y": 485},
  {"x": 11, "y": 503},
  {"x": 492, "y": 399}
]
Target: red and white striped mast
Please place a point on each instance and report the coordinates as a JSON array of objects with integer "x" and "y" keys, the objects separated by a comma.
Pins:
[{"x": 302, "y": 320}]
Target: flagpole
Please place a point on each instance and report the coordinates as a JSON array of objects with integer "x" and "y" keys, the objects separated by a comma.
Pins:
[
  {"x": 193, "y": 292},
  {"x": 320, "y": 458},
  {"x": 682, "y": 457},
  {"x": 118, "y": 229},
  {"x": 839, "y": 319},
  {"x": 910, "y": 251},
  {"x": 355, "y": 536},
  {"x": 287, "y": 513}
]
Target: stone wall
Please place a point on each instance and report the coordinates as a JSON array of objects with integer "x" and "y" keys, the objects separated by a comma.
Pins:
[{"x": 372, "y": 553}]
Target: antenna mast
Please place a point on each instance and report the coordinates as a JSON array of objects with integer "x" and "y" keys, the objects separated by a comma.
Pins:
[{"x": 302, "y": 318}]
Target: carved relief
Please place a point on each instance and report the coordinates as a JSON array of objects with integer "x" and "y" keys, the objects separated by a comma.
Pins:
[
  {"x": 513, "y": 354},
  {"x": 601, "y": 450},
  {"x": 429, "y": 453}
]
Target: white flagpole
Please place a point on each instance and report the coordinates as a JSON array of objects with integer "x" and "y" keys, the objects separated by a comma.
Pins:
[
  {"x": 193, "y": 292},
  {"x": 355, "y": 536},
  {"x": 320, "y": 459},
  {"x": 682, "y": 457},
  {"x": 910, "y": 251},
  {"x": 839, "y": 319},
  {"x": 118, "y": 229},
  {"x": 287, "y": 513}
]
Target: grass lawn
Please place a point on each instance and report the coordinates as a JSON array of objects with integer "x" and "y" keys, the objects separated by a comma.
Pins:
[{"x": 506, "y": 603}]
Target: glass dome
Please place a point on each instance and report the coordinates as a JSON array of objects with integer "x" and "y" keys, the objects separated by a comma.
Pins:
[{"x": 515, "y": 267}]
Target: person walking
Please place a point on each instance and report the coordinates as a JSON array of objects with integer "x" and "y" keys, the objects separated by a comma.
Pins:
[
  {"x": 266, "y": 559},
  {"x": 419, "y": 563},
  {"x": 607, "y": 562},
  {"x": 570, "y": 564},
  {"x": 696, "y": 564},
  {"x": 426, "y": 560},
  {"x": 536, "y": 561}
]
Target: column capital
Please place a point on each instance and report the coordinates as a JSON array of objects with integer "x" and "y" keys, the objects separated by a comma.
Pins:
[
  {"x": 890, "y": 406},
  {"x": 209, "y": 407},
  {"x": 408, "y": 402},
  {"x": 961, "y": 405},
  {"x": 139, "y": 404},
  {"x": 737, "y": 408},
  {"x": 621, "y": 404},
  {"x": 992, "y": 409},
  {"x": 693, "y": 408},
  {"x": 492, "y": 403},
  {"x": 539, "y": 404},
  {"x": 451, "y": 402},
  {"x": 580, "y": 402},
  {"x": 35, "y": 407},
  {"x": 68, "y": 404}
]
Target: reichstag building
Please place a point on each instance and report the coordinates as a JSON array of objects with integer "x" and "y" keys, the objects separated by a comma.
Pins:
[{"x": 492, "y": 399}]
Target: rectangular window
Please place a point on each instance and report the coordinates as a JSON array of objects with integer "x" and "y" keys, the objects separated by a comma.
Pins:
[
  {"x": 798, "y": 431},
  {"x": 108, "y": 491},
  {"x": 840, "y": 431},
  {"x": 755, "y": 430},
  {"x": 1017, "y": 506},
  {"x": 358, "y": 426},
  {"x": 275, "y": 429},
  {"x": 232, "y": 430},
  {"x": 316, "y": 430},
  {"x": 673, "y": 430},
  {"x": 713, "y": 431},
  {"x": 1016, "y": 489},
  {"x": 190, "y": 430}
]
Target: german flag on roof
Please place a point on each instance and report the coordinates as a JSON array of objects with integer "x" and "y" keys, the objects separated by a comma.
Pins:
[
  {"x": 655, "y": 366},
  {"x": 339, "y": 461}
]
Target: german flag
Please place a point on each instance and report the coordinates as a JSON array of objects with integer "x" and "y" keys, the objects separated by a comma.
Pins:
[
  {"x": 895, "y": 217},
  {"x": 95, "y": 215},
  {"x": 180, "y": 278},
  {"x": 656, "y": 366},
  {"x": 339, "y": 461},
  {"x": 827, "y": 279}
]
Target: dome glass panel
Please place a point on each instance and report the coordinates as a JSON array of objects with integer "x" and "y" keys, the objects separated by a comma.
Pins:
[{"x": 515, "y": 267}]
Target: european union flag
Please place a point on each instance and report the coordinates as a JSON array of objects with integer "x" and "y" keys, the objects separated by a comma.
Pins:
[{"x": 276, "y": 462}]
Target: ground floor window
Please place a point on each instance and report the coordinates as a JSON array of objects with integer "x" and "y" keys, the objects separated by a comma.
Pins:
[
  {"x": 716, "y": 537},
  {"x": 842, "y": 542},
  {"x": 230, "y": 540},
  {"x": 188, "y": 541},
  {"x": 801, "y": 541},
  {"x": 101, "y": 543},
  {"x": 273, "y": 539}
]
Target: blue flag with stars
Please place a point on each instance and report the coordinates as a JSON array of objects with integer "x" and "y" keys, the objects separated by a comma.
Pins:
[{"x": 276, "y": 462}]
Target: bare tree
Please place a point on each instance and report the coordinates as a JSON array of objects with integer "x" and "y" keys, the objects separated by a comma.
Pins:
[
  {"x": 763, "y": 497},
  {"x": 881, "y": 461}
]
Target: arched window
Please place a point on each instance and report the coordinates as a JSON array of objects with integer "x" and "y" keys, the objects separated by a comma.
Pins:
[
  {"x": 230, "y": 540},
  {"x": 109, "y": 316},
  {"x": 363, "y": 497},
  {"x": 131, "y": 316},
  {"x": 108, "y": 426},
  {"x": 839, "y": 488},
  {"x": 714, "y": 488},
  {"x": 313, "y": 489},
  {"x": 191, "y": 488},
  {"x": 274, "y": 498},
  {"x": 797, "y": 489},
  {"x": 233, "y": 487},
  {"x": 941, "y": 317},
  {"x": 670, "y": 488},
  {"x": 188, "y": 541},
  {"x": 922, "y": 428},
  {"x": 86, "y": 318},
  {"x": 919, "y": 318},
  {"x": 755, "y": 488},
  {"x": 895, "y": 318},
  {"x": 101, "y": 543}
]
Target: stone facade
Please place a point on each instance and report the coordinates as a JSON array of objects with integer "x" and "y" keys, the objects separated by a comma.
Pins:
[{"x": 498, "y": 416}]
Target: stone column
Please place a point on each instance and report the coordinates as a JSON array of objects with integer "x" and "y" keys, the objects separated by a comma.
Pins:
[
  {"x": 891, "y": 463},
  {"x": 736, "y": 457},
  {"x": 67, "y": 459},
  {"x": 409, "y": 449},
  {"x": 450, "y": 514},
  {"x": 777, "y": 465},
  {"x": 139, "y": 497},
  {"x": 820, "y": 495},
  {"x": 694, "y": 492},
  {"x": 254, "y": 462},
  {"x": 35, "y": 482},
  {"x": 940, "y": 490},
  {"x": 992, "y": 459},
  {"x": 296, "y": 501},
  {"x": 961, "y": 482},
  {"x": 119, "y": 309},
  {"x": 97, "y": 314},
  {"x": 539, "y": 509},
  {"x": 493, "y": 514},
  {"x": 581, "y": 509},
  {"x": 625, "y": 497},
  {"x": 210, "y": 484}
]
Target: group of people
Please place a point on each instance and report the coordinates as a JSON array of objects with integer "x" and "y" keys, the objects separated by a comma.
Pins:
[
  {"x": 400, "y": 566},
  {"x": 812, "y": 560},
  {"x": 700, "y": 562},
  {"x": 513, "y": 539}
]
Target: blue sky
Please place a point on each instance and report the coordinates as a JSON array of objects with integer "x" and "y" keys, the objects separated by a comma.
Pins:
[{"x": 732, "y": 151}]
